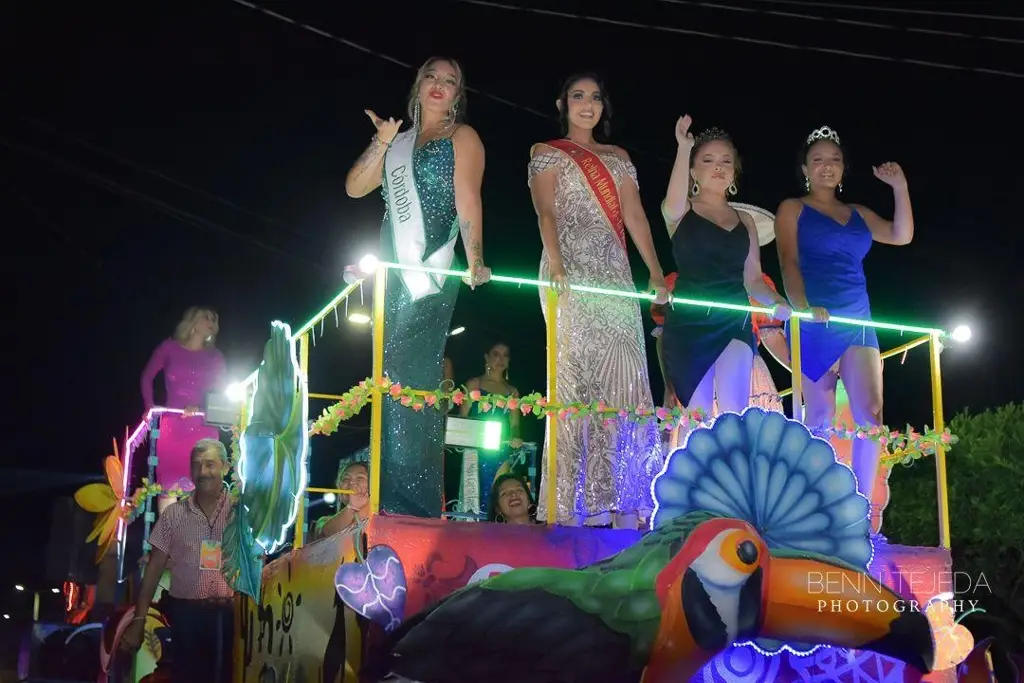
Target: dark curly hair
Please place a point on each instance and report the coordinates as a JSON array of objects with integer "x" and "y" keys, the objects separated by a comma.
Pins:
[{"x": 494, "y": 511}]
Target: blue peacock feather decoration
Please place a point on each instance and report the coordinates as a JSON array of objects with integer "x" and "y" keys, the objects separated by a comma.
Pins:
[
  {"x": 272, "y": 468},
  {"x": 770, "y": 471}
]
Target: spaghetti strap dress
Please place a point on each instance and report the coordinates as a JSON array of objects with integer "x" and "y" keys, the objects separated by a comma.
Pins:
[
  {"x": 710, "y": 262},
  {"x": 832, "y": 266}
]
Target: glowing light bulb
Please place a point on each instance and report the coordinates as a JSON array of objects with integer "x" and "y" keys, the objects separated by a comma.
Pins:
[
  {"x": 235, "y": 391},
  {"x": 55, "y": 590},
  {"x": 359, "y": 318},
  {"x": 961, "y": 333},
  {"x": 330, "y": 498},
  {"x": 458, "y": 330},
  {"x": 18, "y": 587},
  {"x": 368, "y": 263}
]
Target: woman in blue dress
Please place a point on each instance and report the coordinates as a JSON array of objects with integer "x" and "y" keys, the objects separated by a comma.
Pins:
[
  {"x": 430, "y": 177},
  {"x": 822, "y": 243}
]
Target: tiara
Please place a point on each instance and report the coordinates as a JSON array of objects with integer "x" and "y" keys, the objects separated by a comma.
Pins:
[
  {"x": 709, "y": 135},
  {"x": 823, "y": 133}
]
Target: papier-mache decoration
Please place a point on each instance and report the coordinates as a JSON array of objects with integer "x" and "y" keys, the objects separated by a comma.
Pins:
[
  {"x": 374, "y": 588},
  {"x": 748, "y": 514},
  {"x": 899, "y": 448},
  {"x": 271, "y": 471},
  {"x": 953, "y": 642}
]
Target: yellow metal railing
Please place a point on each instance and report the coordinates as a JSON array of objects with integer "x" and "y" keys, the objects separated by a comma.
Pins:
[{"x": 932, "y": 337}]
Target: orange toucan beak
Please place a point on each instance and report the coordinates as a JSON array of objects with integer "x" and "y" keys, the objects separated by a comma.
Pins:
[{"x": 810, "y": 601}]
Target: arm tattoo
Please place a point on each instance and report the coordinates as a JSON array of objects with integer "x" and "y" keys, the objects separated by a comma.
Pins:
[
  {"x": 472, "y": 245},
  {"x": 372, "y": 154}
]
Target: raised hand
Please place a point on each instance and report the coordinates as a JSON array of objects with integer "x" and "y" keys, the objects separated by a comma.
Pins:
[
  {"x": 891, "y": 174},
  {"x": 386, "y": 130},
  {"x": 683, "y": 135}
]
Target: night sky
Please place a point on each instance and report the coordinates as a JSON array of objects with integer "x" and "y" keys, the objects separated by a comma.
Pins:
[{"x": 155, "y": 158}]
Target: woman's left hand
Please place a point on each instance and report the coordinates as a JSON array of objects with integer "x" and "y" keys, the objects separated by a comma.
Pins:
[
  {"x": 891, "y": 174},
  {"x": 782, "y": 311},
  {"x": 478, "y": 274},
  {"x": 661, "y": 293}
]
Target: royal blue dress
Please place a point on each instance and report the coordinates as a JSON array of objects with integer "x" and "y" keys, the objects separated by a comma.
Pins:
[{"x": 832, "y": 265}]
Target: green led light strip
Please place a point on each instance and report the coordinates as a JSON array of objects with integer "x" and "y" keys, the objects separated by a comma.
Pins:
[{"x": 698, "y": 303}]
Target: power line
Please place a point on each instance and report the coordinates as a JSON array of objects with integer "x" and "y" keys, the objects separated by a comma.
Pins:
[
  {"x": 844, "y": 22},
  {"x": 399, "y": 62},
  {"x": 162, "y": 176},
  {"x": 163, "y": 207},
  {"x": 893, "y": 10},
  {"x": 741, "y": 39}
]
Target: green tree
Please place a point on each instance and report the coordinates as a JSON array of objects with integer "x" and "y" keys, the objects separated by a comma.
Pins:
[{"x": 986, "y": 507}]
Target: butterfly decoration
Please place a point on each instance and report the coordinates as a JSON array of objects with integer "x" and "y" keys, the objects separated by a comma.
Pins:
[
  {"x": 953, "y": 642},
  {"x": 108, "y": 502}
]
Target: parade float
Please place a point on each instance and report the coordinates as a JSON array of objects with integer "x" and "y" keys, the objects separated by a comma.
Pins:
[{"x": 760, "y": 565}]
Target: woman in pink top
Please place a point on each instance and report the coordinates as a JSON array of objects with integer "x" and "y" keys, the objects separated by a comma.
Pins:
[{"x": 192, "y": 367}]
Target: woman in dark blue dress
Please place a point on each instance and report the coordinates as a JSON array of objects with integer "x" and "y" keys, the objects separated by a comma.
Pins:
[
  {"x": 718, "y": 258},
  {"x": 822, "y": 243}
]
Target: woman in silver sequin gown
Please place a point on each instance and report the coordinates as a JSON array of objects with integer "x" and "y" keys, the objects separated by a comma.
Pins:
[{"x": 604, "y": 471}]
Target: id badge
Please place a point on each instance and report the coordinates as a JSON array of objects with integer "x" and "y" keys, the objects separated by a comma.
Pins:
[{"x": 209, "y": 556}]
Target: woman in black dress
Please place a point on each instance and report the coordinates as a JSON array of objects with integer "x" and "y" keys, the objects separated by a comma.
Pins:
[{"x": 710, "y": 352}]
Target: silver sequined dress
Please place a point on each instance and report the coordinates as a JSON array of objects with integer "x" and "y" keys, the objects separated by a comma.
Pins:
[{"x": 602, "y": 469}]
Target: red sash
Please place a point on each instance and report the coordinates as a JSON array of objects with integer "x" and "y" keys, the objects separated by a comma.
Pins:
[{"x": 600, "y": 181}]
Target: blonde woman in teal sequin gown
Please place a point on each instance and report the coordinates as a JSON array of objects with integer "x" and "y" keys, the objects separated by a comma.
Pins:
[
  {"x": 604, "y": 470},
  {"x": 430, "y": 177}
]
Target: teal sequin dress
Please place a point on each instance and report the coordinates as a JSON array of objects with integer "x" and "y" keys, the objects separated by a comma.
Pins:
[{"x": 415, "y": 332}]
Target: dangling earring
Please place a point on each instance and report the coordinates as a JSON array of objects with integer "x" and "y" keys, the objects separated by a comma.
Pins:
[
  {"x": 695, "y": 190},
  {"x": 506, "y": 374},
  {"x": 453, "y": 113},
  {"x": 840, "y": 187},
  {"x": 732, "y": 189},
  {"x": 499, "y": 518},
  {"x": 807, "y": 184},
  {"x": 487, "y": 369},
  {"x": 416, "y": 116}
]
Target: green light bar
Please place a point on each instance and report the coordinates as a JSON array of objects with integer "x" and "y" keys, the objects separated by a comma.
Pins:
[{"x": 698, "y": 303}]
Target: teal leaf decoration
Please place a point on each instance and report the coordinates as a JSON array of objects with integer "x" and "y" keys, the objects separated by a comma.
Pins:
[
  {"x": 243, "y": 559},
  {"x": 274, "y": 443}
]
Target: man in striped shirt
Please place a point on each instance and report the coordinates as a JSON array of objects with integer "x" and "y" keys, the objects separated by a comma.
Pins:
[{"x": 188, "y": 534}]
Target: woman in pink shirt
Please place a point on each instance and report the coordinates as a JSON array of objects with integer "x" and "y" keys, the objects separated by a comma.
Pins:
[{"x": 192, "y": 367}]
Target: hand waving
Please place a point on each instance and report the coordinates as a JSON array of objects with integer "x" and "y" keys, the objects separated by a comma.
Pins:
[
  {"x": 683, "y": 135},
  {"x": 891, "y": 174},
  {"x": 386, "y": 130}
]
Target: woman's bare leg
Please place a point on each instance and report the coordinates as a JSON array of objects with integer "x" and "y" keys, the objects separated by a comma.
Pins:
[
  {"x": 861, "y": 370},
  {"x": 820, "y": 400},
  {"x": 732, "y": 377}
]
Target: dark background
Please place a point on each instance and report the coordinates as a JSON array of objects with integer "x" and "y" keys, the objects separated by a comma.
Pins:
[{"x": 155, "y": 157}]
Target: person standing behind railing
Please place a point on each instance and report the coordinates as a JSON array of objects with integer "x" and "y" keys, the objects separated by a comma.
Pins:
[
  {"x": 430, "y": 177},
  {"x": 822, "y": 243},
  {"x": 718, "y": 257},
  {"x": 192, "y": 367},
  {"x": 586, "y": 197}
]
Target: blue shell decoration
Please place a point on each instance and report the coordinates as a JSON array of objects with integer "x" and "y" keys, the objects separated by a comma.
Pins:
[{"x": 770, "y": 471}]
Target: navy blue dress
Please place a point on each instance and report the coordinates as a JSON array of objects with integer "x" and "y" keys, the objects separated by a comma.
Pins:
[{"x": 832, "y": 265}]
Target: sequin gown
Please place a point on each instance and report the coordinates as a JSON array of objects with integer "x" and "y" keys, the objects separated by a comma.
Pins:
[
  {"x": 601, "y": 356},
  {"x": 412, "y": 444},
  {"x": 188, "y": 376}
]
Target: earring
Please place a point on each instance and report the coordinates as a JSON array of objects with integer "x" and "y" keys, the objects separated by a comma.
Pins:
[
  {"x": 453, "y": 113},
  {"x": 499, "y": 518},
  {"x": 487, "y": 369},
  {"x": 807, "y": 184},
  {"x": 506, "y": 374},
  {"x": 695, "y": 189},
  {"x": 416, "y": 116},
  {"x": 840, "y": 187},
  {"x": 732, "y": 189}
]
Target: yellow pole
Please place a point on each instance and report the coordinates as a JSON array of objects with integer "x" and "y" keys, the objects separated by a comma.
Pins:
[
  {"x": 380, "y": 281},
  {"x": 941, "y": 483},
  {"x": 552, "y": 445},
  {"x": 300, "y": 517},
  {"x": 35, "y": 606},
  {"x": 796, "y": 369}
]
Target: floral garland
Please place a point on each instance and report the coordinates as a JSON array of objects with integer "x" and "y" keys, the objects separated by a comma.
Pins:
[
  {"x": 146, "y": 491},
  {"x": 899, "y": 448}
]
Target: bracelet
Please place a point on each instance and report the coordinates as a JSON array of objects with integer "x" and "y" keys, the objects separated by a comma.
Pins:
[
  {"x": 138, "y": 619},
  {"x": 377, "y": 141}
]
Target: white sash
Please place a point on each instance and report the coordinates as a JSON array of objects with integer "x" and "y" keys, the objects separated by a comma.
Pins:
[{"x": 407, "y": 225}]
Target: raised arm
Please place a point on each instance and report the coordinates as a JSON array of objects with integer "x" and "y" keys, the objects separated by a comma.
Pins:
[
  {"x": 543, "y": 168},
  {"x": 753, "y": 277},
  {"x": 365, "y": 175},
  {"x": 471, "y": 385},
  {"x": 514, "y": 436},
  {"x": 156, "y": 363},
  {"x": 789, "y": 256},
  {"x": 900, "y": 230},
  {"x": 636, "y": 221},
  {"x": 469, "y": 178},
  {"x": 677, "y": 197}
]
